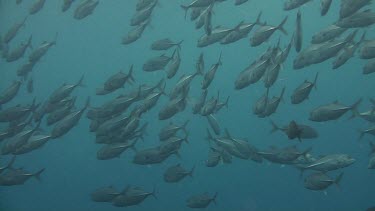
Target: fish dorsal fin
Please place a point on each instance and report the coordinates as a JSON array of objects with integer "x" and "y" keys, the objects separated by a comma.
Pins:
[{"x": 227, "y": 134}]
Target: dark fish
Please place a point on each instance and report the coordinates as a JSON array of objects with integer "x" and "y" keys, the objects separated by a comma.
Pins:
[
  {"x": 329, "y": 33},
  {"x": 42, "y": 49},
  {"x": 12, "y": 32},
  {"x": 265, "y": 32},
  {"x": 157, "y": 63},
  {"x": 350, "y": 7},
  {"x": 298, "y": 36},
  {"x": 18, "y": 177},
  {"x": 30, "y": 86},
  {"x": 324, "y": 6},
  {"x": 135, "y": 33},
  {"x": 331, "y": 111},
  {"x": 369, "y": 67},
  {"x": 176, "y": 173},
  {"x": 132, "y": 196},
  {"x": 201, "y": 200},
  {"x": 142, "y": 15},
  {"x": 302, "y": 92},
  {"x": 307, "y": 132},
  {"x": 293, "y": 4},
  {"x": 321, "y": 181},
  {"x": 66, "y": 5},
  {"x": 10, "y": 92},
  {"x": 104, "y": 194},
  {"x": 210, "y": 75},
  {"x": 19, "y": 51},
  {"x": 164, "y": 44},
  {"x": 357, "y": 20},
  {"x": 85, "y": 9},
  {"x": 36, "y": 7}
]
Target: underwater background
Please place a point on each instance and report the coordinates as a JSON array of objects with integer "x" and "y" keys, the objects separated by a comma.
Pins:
[{"x": 92, "y": 47}]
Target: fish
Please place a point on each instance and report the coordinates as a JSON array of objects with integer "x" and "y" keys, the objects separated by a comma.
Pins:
[
  {"x": 210, "y": 75},
  {"x": 142, "y": 15},
  {"x": 66, "y": 124},
  {"x": 200, "y": 64},
  {"x": 208, "y": 20},
  {"x": 367, "y": 50},
  {"x": 293, "y": 4},
  {"x": 273, "y": 104},
  {"x": 261, "y": 104},
  {"x": 132, "y": 196},
  {"x": 214, "y": 124},
  {"x": 329, "y": 163},
  {"x": 136, "y": 33},
  {"x": 239, "y": 2},
  {"x": 306, "y": 132},
  {"x": 302, "y": 92},
  {"x": 370, "y": 131},
  {"x": 30, "y": 86},
  {"x": 66, "y": 5},
  {"x": 324, "y": 6},
  {"x": 117, "y": 81},
  {"x": 265, "y": 32},
  {"x": 214, "y": 158},
  {"x": 157, "y": 63},
  {"x": 271, "y": 75},
  {"x": 10, "y": 92},
  {"x": 328, "y": 33},
  {"x": 196, "y": 12},
  {"x": 357, "y": 20},
  {"x": 64, "y": 91},
  {"x": 25, "y": 69},
  {"x": 19, "y": 52},
  {"x": 17, "y": 112},
  {"x": 105, "y": 194},
  {"x": 350, "y": 7},
  {"x": 298, "y": 36},
  {"x": 114, "y": 150},
  {"x": 245, "y": 148},
  {"x": 197, "y": 3},
  {"x": 331, "y": 111},
  {"x": 41, "y": 50},
  {"x": 318, "y": 53},
  {"x": 171, "y": 129},
  {"x": 18, "y": 177},
  {"x": 35, "y": 142},
  {"x": 176, "y": 173},
  {"x": 346, "y": 53},
  {"x": 241, "y": 31},
  {"x": 200, "y": 102},
  {"x": 142, "y": 4},
  {"x": 174, "y": 65},
  {"x": 165, "y": 44},
  {"x": 321, "y": 181},
  {"x": 36, "y": 7},
  {"x": 286, "y": 155},
  {"x": 13, "y": 31},
  {"x": 201, "y": 200},
  {"x": 369, "y": 67},
  {"x": 210, "y": 105},
  {"x": 85, "y": 9}
]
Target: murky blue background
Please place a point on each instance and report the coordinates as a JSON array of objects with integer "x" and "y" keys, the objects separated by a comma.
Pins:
[{"x": 92, "y": 47}]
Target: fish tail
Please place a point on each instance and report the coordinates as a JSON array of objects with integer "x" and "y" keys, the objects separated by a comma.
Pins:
[
  {"x": 354, "y": 107},
  {"x": 183, "y": 127},
  {"x": 185, "y": 8},
  {"x": 219, "y": 62},
  {"x": 315, "y": 80},
  {"x": 258, "y": 18},
  {"x": 153, "y": 193},
  {"x": 191, "y": 171},
  {"x": 80, "y": 82},
  {"x": 130, "y": 74},
  {"x": 214, "y": 198},
  {"x": 338, "y": 179},
  {"x": 87, "y": 104},
  {"x": 361, "y": 134},
  {"x": 37, "y": 174},
  {"x": 186, "y": 137},
  {"x": 282, "y": 93},
  {"x": 227, "y": 102},
  {"x": 281, "y": 26},
  {"x": 274, "y": 127},
  {"x": 179, "y": 44},
  {"x": 29, "y": 44},
  {"x": 350, "y": 37},
  {"x": 160, "y": 84}
]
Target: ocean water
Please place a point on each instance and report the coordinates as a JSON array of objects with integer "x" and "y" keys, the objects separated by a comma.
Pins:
[{"x": 92, "y": 47}]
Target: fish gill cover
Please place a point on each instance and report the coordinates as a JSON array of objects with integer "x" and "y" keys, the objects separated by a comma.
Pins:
[{"x": 179, "y": 105}]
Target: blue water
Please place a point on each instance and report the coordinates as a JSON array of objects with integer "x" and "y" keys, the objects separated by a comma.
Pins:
[{"x": 92, "y": 47}]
